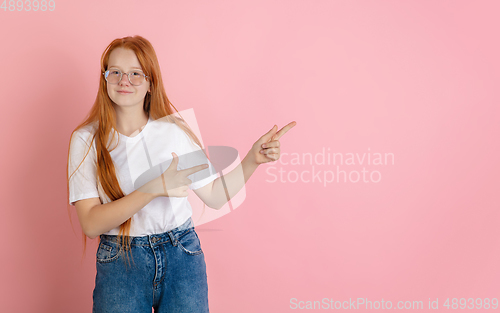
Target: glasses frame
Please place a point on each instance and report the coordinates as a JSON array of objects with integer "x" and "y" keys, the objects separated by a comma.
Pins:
[{"x": 106, "y": 74}]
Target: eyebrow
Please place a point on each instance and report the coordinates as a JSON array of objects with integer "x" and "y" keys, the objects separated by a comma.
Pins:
[{"x": 110, "y": 66}]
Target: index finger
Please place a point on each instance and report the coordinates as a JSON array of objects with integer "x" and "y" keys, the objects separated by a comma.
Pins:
[
  {"x": 194, "y": 169},
  {"x": 283, "y": 131}
]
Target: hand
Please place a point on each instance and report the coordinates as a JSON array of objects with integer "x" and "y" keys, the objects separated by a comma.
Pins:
[
  {"x": 267, "y": 148},
  {"x": 172, "y": 183}
]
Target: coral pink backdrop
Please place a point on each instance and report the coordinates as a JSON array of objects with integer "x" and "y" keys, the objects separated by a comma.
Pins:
[{"x": 402, "y": 95}]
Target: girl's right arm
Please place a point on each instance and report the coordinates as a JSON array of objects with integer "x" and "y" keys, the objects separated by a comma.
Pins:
[{"x": 96, "y": 218}]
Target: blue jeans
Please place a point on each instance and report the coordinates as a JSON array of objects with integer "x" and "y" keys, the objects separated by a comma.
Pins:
[{"x": 165, "y": 271}]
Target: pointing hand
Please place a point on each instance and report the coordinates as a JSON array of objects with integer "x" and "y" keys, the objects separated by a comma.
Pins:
[
  {"x": 172, "y": 182},
  {"x": 267, "y": 148}
]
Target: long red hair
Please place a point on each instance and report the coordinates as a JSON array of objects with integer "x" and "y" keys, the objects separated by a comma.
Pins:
[{"x": 156, "y": 104}]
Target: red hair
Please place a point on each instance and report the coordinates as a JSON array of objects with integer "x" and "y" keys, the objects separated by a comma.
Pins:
[{"x": 156, "y": 104}]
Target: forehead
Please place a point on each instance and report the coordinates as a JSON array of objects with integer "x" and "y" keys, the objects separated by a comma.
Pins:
[{"x": 123, "y": 59}]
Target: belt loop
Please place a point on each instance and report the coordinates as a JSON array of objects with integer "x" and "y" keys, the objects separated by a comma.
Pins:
[{"x": 172, "y": 238}]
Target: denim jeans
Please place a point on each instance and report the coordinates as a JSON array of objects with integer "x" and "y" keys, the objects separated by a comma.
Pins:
[{"x": 165, "y": 271}]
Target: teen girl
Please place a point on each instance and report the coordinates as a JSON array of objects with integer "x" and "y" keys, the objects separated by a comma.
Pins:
[{"x": 150, "y": 221}]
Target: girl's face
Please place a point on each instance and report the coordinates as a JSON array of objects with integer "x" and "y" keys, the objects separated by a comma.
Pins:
[{"x": 124, "y": 94}]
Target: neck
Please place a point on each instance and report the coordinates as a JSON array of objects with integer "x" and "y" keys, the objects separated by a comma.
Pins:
[{"x": 130, "y": 121}]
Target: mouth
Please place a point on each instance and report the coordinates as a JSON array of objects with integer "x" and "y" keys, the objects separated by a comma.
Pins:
[{"x": 124, "y": 92}]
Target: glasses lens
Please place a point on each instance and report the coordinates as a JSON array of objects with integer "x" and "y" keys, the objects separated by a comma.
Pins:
[
  {"x": 113, "y": 76},
  {"x": 136, "y": 78}
]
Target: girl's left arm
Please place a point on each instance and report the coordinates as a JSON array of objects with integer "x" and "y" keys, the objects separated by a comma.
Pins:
[{"x": 266, "y": 149}]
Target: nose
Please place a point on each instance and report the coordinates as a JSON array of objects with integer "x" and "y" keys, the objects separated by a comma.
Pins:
[{"x": 124, "y": 79}]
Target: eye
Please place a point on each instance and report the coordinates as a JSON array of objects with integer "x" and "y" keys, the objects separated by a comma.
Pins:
[
  {"x": 114, "y": 72},
  {"x": 136, "y": 74}
]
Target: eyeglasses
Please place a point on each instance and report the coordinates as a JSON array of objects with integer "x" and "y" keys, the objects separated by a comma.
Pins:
[{"x": 136, "y": 78}]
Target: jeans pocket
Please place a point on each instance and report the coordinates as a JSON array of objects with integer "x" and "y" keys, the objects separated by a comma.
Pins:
[
  {"x": 107, "y": 252},
  {"x": 190, "y": 243}
]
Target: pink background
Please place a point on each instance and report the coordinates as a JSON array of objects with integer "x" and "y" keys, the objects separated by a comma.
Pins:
[{"x": 418, "y": 79}]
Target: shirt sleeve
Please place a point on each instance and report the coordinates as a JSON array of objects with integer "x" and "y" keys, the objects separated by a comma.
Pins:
[
  {"x": 193, "y": 155},
  {"x": 83, "y": 182}
]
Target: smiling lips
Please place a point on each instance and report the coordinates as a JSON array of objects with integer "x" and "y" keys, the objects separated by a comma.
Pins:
[{"x": 124, "y": 92}]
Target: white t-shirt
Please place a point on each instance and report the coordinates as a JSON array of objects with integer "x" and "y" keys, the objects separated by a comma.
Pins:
[{"x": 137, "y": 160}]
